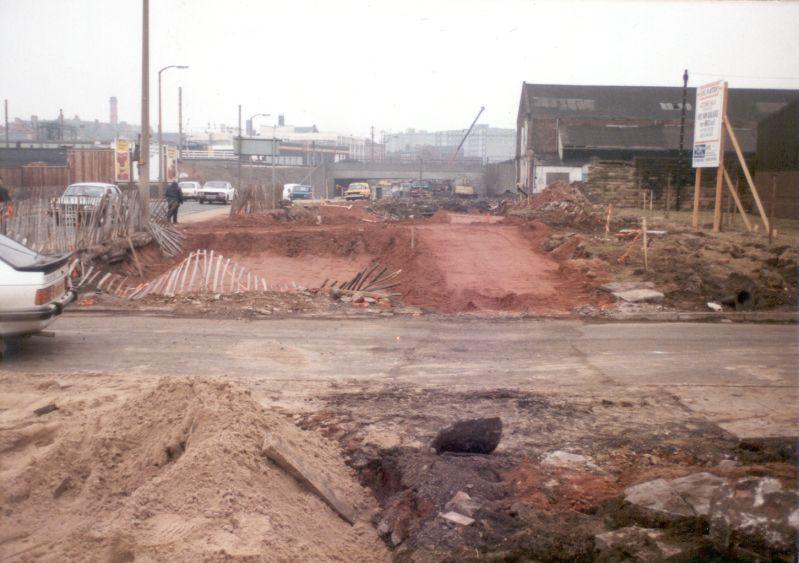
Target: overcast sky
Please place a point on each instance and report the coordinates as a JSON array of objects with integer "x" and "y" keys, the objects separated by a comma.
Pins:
[{"x": 346, "y": 65}]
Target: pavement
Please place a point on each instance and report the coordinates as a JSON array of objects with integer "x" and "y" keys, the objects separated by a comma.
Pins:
[{"x": 743, "y": 377}]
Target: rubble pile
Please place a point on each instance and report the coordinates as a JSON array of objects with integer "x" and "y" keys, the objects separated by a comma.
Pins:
[
  {"x": 424, "y": 208},
  {"x": 562, "y": 205}
]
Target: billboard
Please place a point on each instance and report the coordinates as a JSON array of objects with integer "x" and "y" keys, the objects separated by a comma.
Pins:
[
  {"x": 170, "y": 163},
  {"x": 122, "y": 161},
  {"x": 256, "y": 147},
  {"x": 707, "y": 124}
]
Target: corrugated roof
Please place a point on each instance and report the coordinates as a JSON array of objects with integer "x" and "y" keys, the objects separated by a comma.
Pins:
[{"x": 644, "y": 102}]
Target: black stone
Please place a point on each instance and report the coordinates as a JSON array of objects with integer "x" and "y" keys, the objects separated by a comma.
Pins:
[{"x": 475, "y": 436}]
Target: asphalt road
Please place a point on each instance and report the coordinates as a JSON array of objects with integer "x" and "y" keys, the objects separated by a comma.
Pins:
[
  {"x": 743, "y": 376},
  {"x": 189, "y": 207}
]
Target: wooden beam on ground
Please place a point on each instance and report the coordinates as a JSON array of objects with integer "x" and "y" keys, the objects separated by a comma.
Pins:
[
  {"x": 302, "y": 467},
  {"x": 749, "y": 180},
  {"x": 737, "y": 201}
]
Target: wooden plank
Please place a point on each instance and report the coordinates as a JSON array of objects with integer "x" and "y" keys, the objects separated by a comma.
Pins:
[
  {"x": 749, "y": 180},
  {"x": 301, "y": 466},
  {"x": 720, "y": 172},
  {"x": 737, "y": 200},
  {"x": 697, "y": 193}
]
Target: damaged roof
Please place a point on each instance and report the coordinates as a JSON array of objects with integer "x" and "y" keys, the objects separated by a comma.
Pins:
[
  {"x": 649, "y": 137},
  {"x": 746, "y": 105}
]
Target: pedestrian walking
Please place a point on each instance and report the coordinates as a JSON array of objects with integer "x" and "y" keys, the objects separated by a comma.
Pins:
[{"x": 174, "y": 197}]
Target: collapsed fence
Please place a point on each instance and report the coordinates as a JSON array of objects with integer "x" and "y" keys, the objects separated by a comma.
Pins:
[{"x": 52, "y": 226}]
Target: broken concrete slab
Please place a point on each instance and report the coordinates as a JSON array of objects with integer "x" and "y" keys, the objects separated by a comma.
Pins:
[
  {"x": 659, "y": 499},
  {"x": 698, "y": 489},
  {"x": 638, "y": 295},
  {"x": 457, "y": 518},
  {"x": 567, "y": 459},
  {"x": 754, "y": 517},
  {"x": 302, "y": 467},
  {"x": 476, "y": 436},
  {"x": 642, "y": 544},
  {"x": 626, "y": 286},
  {"x": 462, "y": 503}
]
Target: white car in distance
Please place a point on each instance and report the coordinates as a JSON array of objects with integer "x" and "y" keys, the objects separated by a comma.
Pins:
[
  {"x": 34, "y": 289},
  {"x": 190, "y": 189},
  {"x": 216, "y": 191}
]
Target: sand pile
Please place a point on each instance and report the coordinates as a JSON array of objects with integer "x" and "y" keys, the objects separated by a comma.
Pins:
[{"x": 178, "y": 473}]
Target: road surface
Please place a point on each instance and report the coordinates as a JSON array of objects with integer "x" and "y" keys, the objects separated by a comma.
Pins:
[{"x": 744, "y": 377}]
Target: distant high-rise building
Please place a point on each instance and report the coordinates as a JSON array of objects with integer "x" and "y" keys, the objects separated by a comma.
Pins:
[{"x": 114, "y": 117}]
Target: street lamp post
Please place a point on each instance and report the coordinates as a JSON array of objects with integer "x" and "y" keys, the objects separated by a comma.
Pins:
[
  {"x": 250, "y": 123},
  {"x": 160, "y": 133}
]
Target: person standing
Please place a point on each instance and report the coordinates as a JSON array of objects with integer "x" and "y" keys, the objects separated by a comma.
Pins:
[
  {"x": 6, "y": 207},
  {"x": 174, "y": 197}
]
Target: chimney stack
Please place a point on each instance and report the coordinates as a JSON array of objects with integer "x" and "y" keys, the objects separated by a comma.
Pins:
[
  {"x": 114, "y": 117},
  {"x": 281, "y": 120}
]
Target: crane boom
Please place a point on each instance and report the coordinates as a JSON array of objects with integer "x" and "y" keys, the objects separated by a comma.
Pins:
[{"x": 455, "y": 154}]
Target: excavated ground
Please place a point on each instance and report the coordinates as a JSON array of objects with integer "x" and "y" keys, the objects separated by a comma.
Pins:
[{"x": 450, "y": 263}]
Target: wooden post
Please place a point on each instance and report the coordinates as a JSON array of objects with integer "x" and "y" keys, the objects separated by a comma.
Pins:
[
  {"x": 668, "y": 194},
  {"x": 772, "y": 205},
  {"x": 697, "y": 192},
  {"x": 646, "y": 254},
  {"x": 748, "y": 176},
  {"x": 413, "y": 236},
  {"x": 720, "y": 171},
  {"x": 607, "y": 220},
  {"x": 651, "y": 198}
]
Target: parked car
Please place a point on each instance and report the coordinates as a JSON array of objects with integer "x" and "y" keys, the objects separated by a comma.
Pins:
[
  {"x": 190, "y": 189},
  {"x": 216, "y": 191},
  {"x": 34, "y": 289},
  {"x": 358, "y": 190},
  {"x": 297, "y": 191},
  {"x": 79, "y": 201}
]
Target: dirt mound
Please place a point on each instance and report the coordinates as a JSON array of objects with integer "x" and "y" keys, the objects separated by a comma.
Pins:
[{"x": 178, "y": 473}]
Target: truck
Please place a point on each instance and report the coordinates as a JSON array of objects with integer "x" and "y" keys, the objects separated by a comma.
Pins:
[
  {"x": 464, "y": 188},
  {"x": 358, "y": 190}
]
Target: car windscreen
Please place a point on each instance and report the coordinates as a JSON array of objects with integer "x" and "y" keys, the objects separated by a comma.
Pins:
[
  {"x": 301, "y": 189},
  {"x": 187, "y": 184},
  {"x": 216, "y": 185},
  {"x": 82, "y": 190}
]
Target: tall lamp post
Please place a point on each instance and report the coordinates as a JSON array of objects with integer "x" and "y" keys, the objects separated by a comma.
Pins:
[
  {"x": 250, "y": 123},
  {"x": 160, "y": 134}
]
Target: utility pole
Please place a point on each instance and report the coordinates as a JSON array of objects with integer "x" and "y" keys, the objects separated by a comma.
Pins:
[
  {"x": 681, "y": 161},
  {"x": 180, "y": 122},
  {"x": 274, "y": 156},
  {"x": 373, "y": 143},
  {"x": 60, "y": 124},
  {"x": 239, "y": 155},
  {"x": 7, "y": 135},
  {"x": 144, "y": 148}
]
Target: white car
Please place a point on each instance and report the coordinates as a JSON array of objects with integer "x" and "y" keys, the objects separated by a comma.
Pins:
[
  {"x": 79, "y": 201},
  {"x": 189, "y": 189},
  {"x": 34, "y": 289},
  {"x": 218, "y": 191}
]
